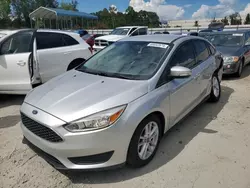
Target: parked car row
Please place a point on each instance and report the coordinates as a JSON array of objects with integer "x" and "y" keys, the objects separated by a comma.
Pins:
[{"x": 114, "y": 108}]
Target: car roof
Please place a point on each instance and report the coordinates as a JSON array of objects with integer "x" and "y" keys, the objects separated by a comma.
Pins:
[
  {"x": 163, "y": 38},
  {"x": 59, "y": 31},
  {"x": 132, "y": 27},
  {"x": 9, "y": 32},
  {"x": 225, "y": 32}
]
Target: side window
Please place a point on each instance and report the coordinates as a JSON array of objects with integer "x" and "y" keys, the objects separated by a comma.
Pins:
[
  {"x": 135, "y": 33},
  {"x": 247, "y": 39},
  {"x": 18, "y": 43},
  {"x": 132, "y": 30},
  {"x": 69, "y": 41},
  {"x": 184, "y": 56},
  {"x": 212, "y": 49},
  {"x": 202, "y": 52},
  {"x": 143, "y": 31},
  {"x": 46, "y": 40}
]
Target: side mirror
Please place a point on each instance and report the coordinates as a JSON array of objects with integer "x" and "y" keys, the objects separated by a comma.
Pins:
[{"x": 180, "y": 72}]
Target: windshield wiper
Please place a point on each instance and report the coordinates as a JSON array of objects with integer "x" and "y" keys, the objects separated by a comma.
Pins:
[{"x": 128, "y": 77}]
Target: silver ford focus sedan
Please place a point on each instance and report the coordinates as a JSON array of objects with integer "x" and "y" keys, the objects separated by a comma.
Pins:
[{"x": 115, "y": 107}]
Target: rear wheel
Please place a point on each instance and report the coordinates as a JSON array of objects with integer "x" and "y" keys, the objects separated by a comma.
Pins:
[
  {"x": 144, "y": 142},
  {"x": 215, "y": 89}
]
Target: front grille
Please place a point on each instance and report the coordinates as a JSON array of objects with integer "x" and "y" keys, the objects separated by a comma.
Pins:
[
  {"x": 101, "y": 43},
  {"x": 40, "y": 130}
]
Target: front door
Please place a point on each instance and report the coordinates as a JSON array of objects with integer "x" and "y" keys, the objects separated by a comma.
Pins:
[
  {"x": 15, "y": 57},
  {"x": 184, "y": 92}
]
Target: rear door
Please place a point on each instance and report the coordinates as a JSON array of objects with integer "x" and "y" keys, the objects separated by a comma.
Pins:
[
  {"x": 207, "y": 64},
  {"x": 54, "y": 53},
  {"x": 15, "y": 58}
]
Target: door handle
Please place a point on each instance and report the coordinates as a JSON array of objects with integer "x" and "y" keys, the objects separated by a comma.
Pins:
[
  {"x": 21, "y": 63},
  {"x": 66, "y": 53}
]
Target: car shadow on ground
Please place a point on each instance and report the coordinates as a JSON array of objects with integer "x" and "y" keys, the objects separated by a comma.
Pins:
[
  {"x": 245, "y": 73},
  {"x": 10, "y": 100},
  {"x": 171, "y": 145},
  {"x": 9, "y": 121}
]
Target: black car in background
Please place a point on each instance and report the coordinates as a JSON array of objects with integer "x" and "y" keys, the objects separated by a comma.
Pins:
[{"x": 234, "y": 46}]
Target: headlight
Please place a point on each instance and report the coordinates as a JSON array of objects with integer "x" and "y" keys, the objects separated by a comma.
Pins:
[
  {"x": 96, "y": 121},
  {"x": 231, "y": 59}
]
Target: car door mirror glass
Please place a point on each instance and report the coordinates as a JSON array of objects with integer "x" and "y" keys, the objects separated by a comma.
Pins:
[{"x": 180, "y": 72}]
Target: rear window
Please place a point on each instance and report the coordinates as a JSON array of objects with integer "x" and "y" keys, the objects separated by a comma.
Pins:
[
  {"x": 69, "y": 41},
  {"x": 85, "y": 37}
]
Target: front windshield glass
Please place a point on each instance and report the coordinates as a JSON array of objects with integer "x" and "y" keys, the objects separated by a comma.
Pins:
[
  {"x": 120, "y": 31},
  {"x": 134, "y": 60},
  {"x": 225, "y": 39}
]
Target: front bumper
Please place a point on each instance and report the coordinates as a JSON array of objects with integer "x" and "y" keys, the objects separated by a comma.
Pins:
[
  {"x": 98, "y": 48},
  {"x": 85, "y": 150},
  {"x": 230, "y": 68}
]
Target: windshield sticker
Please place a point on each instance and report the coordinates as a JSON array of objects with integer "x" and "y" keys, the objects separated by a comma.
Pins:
[
  {"x": 238, "y": 34},
  {"x": 157, "y": 45}
]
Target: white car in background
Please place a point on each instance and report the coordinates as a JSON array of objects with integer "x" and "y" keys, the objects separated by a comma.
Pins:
[
  {"x": 32, "y": 57},
  {"x": 118, "y": 34}
]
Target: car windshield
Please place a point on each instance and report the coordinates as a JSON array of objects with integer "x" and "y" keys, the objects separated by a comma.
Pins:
[
  {"x": 120, "y": 31},
  {"x": 225, "y": 39},
  {"x": 133, "y": 60}
]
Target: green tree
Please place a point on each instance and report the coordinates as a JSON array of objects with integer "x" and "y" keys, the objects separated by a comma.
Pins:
[
  {"x": 4, "y": 8},
  {"x": 4, "y": 13},
  {"x": 196, "y": 23},
  {"x": 225, "y": 21},
  {"x": 235, "y": 19},
  {"x": 22, "y": 8},
  {"x": 69, "y": 5},
  {"x": 247, "y": 20}
]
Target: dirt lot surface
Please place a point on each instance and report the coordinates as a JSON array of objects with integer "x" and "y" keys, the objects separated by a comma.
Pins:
[{"x": 210, "y": 148}]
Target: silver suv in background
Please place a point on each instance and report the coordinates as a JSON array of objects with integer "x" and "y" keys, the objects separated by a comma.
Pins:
[
  {"x": 115, "y": 108},
  {"x": 36, "y": 56}
]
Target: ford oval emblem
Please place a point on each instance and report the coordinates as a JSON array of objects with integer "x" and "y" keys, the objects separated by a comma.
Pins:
[{"x": 34, "y": 112}]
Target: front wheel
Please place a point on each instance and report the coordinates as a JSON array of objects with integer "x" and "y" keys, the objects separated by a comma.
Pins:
[
  {"x": 215, "y": 89},
  {"x": 144, "y": 142},
  {"x": 239, "y": 72}
]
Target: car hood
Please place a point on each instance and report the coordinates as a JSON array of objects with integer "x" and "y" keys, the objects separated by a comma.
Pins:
[
  {"x": 75, "y": 94},
  {"x": 111, "y": 37},
  {"x": 228, "y": 51}
]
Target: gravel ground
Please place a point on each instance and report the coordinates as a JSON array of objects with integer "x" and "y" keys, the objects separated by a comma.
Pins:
[{"x": 210, "y": 148}]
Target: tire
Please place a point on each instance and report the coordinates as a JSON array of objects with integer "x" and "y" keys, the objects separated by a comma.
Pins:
[
  {"x": 136, "y": 160},
  {"x": 74, "y": 64},
  {"x": 215, "y": 89},
  {"x": 240, "y": 69}
]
